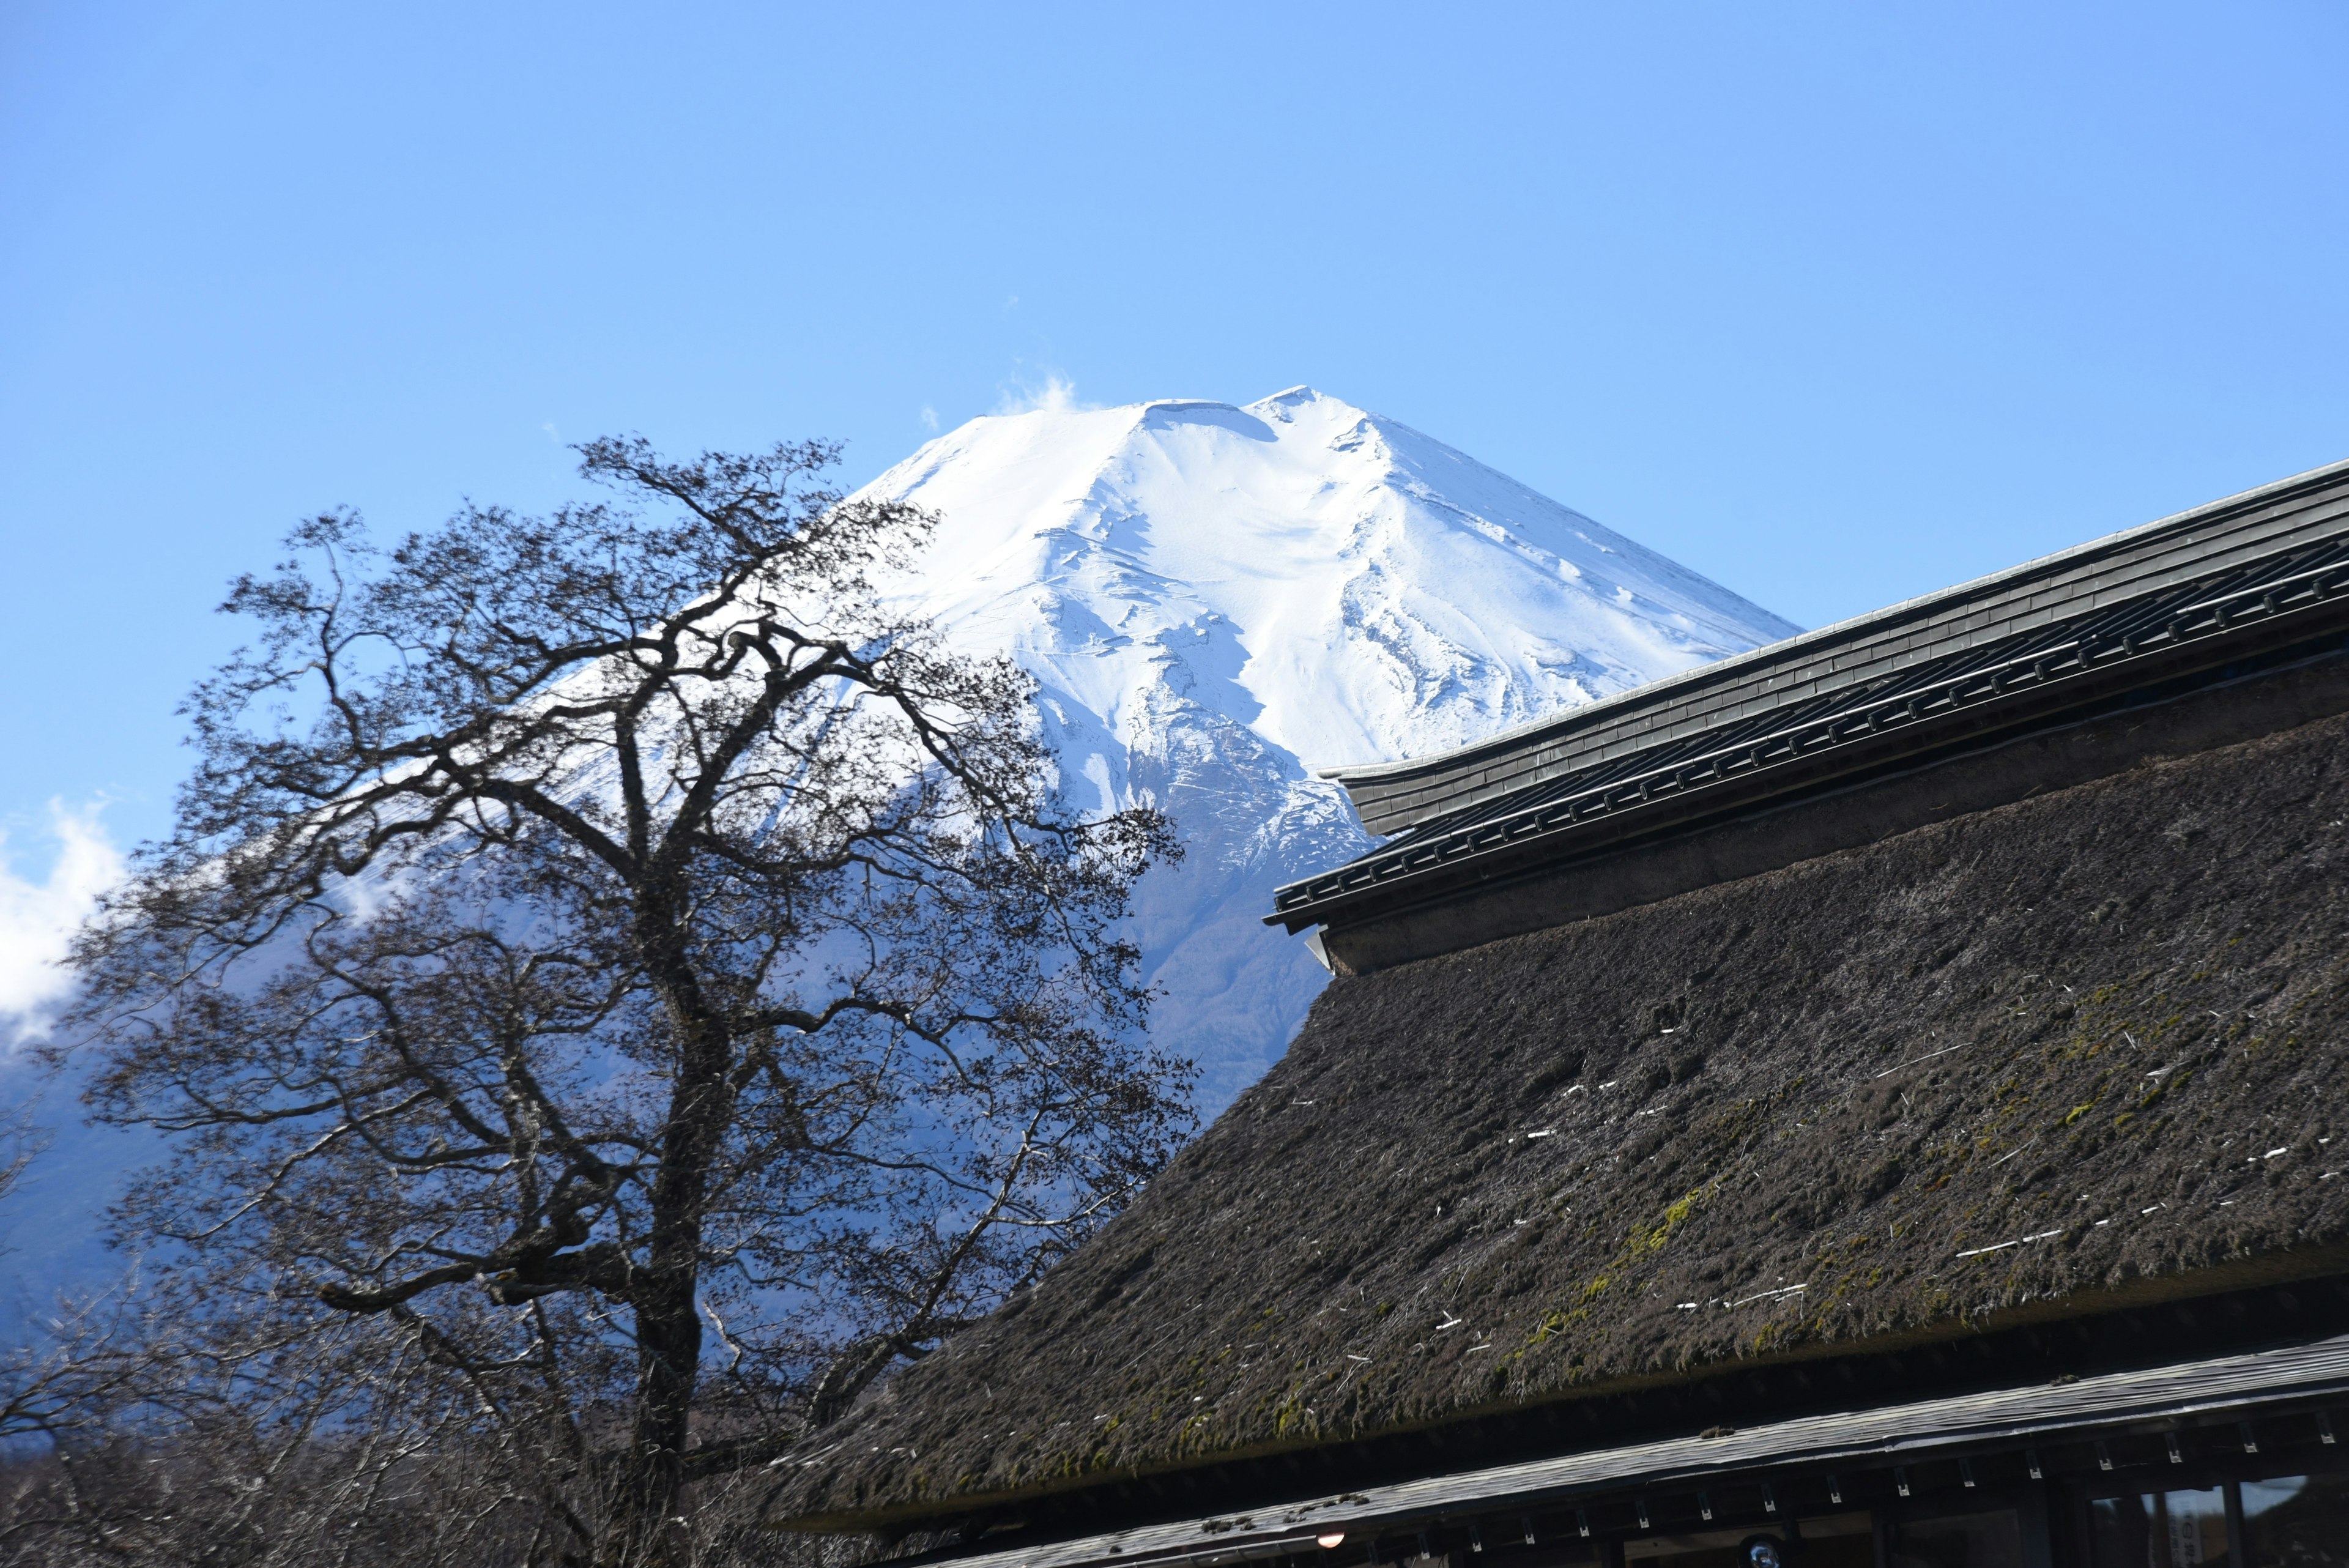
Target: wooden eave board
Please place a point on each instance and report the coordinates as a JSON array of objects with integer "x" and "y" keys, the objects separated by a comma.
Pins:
[{"x": 1884, "y": 1435}]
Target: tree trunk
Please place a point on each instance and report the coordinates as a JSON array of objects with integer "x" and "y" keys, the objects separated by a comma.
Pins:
[{"x": 645, "y": 1495}]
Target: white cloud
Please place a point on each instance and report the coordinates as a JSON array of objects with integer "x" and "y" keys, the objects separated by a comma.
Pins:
[
  {"x": 37, "y": 917},
  {"x": 929, "y": 418},
  {"x": 1057, "y": 395}
]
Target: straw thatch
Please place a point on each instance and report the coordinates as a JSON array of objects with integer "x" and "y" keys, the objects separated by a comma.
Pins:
[{"x": 2073, "y": 1050}]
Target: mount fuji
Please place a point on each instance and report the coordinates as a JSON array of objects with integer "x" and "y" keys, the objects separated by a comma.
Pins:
[
  {"x": 1217, "y": 599},
  {"x": 1213, "y": 600}
]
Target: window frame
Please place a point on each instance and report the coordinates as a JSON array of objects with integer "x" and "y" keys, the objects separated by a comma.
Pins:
[{"x": 2227, "y": 1478}]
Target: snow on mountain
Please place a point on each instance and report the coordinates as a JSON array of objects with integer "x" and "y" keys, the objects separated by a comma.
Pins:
[{"x": 1217, "y": 599}]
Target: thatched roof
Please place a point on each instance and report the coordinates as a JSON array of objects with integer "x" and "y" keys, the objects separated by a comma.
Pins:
[{"x": 2070, "y": 1050}]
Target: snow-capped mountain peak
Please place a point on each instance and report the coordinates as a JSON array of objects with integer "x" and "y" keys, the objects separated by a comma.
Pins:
[{"x": 1213, "y": 595}]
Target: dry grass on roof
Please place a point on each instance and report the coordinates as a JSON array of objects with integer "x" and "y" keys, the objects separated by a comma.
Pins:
[{"x": 2082, "y": 1043}]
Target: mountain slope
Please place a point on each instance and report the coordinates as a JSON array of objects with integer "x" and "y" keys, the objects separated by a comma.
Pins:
[{"x": 1215, "y": 599}]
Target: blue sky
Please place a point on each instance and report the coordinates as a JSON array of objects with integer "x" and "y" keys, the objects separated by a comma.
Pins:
[{"x": 1836, "y": 304}]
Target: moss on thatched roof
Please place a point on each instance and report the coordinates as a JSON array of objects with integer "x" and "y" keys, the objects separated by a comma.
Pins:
[{"x": 2071, "y": 1050}]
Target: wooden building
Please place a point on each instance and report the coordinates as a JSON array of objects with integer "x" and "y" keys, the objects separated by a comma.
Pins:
[{"x": 1873, "y": 1103}]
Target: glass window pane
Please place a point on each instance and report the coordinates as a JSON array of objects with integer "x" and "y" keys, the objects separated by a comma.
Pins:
[
  {"x": 2297, "y": 1522},
  {"x": 1965, "y": 1541},
  {"x": 1698, "y": 1557},
  {"x": 2196, "y": 1528},
  {"x": 1834, "y": 1541},
  {"x": 2161, "y": 1530},
  {"x": 1850, "y": 1549},
  {"x": 2123, "y": 1527}
]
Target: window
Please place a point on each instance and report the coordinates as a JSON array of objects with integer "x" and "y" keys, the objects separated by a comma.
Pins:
[
  {"x": 1991, "y": 1539},
  {"x": 2284, "y": 1522},
  {"x": 2296, "y": 1521},
  {"x": 2185, "y": 1528},
  {"x": 1837, "y": 1540}
]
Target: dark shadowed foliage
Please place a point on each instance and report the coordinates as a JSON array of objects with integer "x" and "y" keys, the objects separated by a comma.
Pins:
[{"x": 613, "y": 992}]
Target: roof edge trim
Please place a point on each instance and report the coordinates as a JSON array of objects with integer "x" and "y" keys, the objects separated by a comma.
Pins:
[{"x": 1507, "y": 739}]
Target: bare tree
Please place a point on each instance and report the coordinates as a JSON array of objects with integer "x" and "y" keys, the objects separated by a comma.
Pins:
[
  {"x": 34, "y": 1378},
  {"x": 76, "y": 1358},
  {"x": 615, "y": 990}
]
